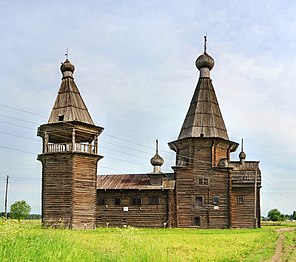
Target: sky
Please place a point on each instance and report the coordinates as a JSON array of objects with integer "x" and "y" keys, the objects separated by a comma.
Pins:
[{"x": 135, "y": 70}]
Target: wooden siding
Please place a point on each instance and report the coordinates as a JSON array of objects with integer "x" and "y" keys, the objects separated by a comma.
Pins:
[
  {"x": 68, "y": 190},
  {"x": 243, "y": 215},
  {"x": 56, "y": 190},
  {"x": 143, "y": 215},
  {"x": 202, "y": 166},
  {"x": 243, "y": 179},
  {"x": 84, "y": 190}
]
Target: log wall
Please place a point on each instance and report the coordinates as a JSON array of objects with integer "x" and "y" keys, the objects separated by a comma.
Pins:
[
  {"x": 243, "y": 214},
  {"x": 142, "y": 215},
  {"x": 201, "y": 179},
  {"x": 245, "y": 179},
  {"x": 84, "y": 190},
  {"x": 68, "y": 190}
]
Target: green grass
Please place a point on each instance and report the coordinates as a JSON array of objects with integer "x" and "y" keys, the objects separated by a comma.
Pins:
[
  {"x": 289, "y": 248},
  {"x": 29, "y": 242},
  {"x": 279, "y": 223}
]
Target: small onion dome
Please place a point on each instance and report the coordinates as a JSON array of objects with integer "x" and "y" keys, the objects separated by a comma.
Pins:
[
  {"x": 204, "y": 60},
  {"x": 157, "y": 160},
  {"x": 242, "y": 155},
  {"x": 67, "y": 66}
]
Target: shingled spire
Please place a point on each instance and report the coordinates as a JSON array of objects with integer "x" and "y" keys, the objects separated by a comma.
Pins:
[
  {"x": 69, "y": 105},
  {"x": 204, "y": 118}
]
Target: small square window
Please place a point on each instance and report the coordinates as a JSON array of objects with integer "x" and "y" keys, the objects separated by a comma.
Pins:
[
  {"x": 198, "y": 201},
  {"x": 216, "y": 201},
  {"x": 101, "y": 201},
  {"x": 153, "y": 200},
  {"x": 196, "y": 221},
  {"x": 136, "y": 201},
  {"x": 203, "y": 181},
  {"x": 240, "y": 200},
  {"x": 61, "y": 118},
  {"x": 117, "y": 201}
]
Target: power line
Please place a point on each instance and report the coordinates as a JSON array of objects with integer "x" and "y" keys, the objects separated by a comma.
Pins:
[
  {"x": 14, "y": 118},
  {"x": 29, "y": 128},
  {"x": 112, "y": 136},
  {"x": 6, "y": 192},
  {"x": 17, "y": 109},
  {"x": 16, "y": 149},
  {"x": 22, "y": 110},
  {"x": 118, "y": 138},
  {"x": 28, "y": 138}
]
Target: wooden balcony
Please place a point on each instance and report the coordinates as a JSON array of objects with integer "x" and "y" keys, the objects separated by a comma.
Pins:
[{"x": 68, "y": 147}]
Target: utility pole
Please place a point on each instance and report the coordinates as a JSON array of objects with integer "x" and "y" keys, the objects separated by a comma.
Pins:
[
  {"x": 255, "y": 204},
  {"x": 6, "y": 191}
]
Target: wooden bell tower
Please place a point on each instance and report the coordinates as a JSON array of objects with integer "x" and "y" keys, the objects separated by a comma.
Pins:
[{"x": 69, "y": 159}]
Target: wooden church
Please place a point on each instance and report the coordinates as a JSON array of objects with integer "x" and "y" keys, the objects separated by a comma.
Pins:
[{"x": 204, "y": 190}]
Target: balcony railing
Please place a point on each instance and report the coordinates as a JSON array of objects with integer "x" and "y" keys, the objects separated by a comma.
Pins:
[{"x": 68, "y": 147}]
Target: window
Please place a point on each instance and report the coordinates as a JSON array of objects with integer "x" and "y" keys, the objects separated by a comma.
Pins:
[
  {"x": 216, "y": 200},
  {"x": 203, "y": 181},
  {"x": 136, "y": 201},
  {"x": 240, "y": 200},
  {"x": 101, "y": 201},
  {"x": 153, "y": 200},
  {"x": 196, "y": 221},
  {"x": 117, "y": 201},
  {"x": 61, "y": 118},
  {"x": 198, "y": 201}
]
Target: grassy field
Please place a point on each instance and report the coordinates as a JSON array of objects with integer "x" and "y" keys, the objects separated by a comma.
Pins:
[{"x": 27, "y": 241}]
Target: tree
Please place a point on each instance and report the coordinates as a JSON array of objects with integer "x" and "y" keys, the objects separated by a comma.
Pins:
[
  {"x": 20, "y": 209},
  {"x": 275, "y": 215},
  {"x": 294, "y": 215}
]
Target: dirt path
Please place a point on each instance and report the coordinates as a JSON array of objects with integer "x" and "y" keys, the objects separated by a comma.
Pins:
[{"x": 279, "y": 244}]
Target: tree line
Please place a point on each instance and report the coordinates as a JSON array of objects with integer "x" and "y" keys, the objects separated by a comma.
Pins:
[{"x": 276, "y": 215}]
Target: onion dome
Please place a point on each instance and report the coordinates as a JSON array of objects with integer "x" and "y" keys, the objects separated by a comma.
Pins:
[
  {"x": 156, "y": 161},
  {"x": 242, "y": 155},
  {"x": 205, "y": 60},
  {"x": 67, "y": 66}
]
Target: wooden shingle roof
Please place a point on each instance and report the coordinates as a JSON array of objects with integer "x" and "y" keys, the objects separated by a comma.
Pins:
[
  {"x": 131, "y": 181},
  {"x": 69, "y": 105},
  {"x": 204, "y": 118}
]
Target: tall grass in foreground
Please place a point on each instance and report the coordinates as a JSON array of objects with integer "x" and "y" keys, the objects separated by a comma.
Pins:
[
  {"x": 29, "y": 242},
  {"x": 289, "y": 248}
]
